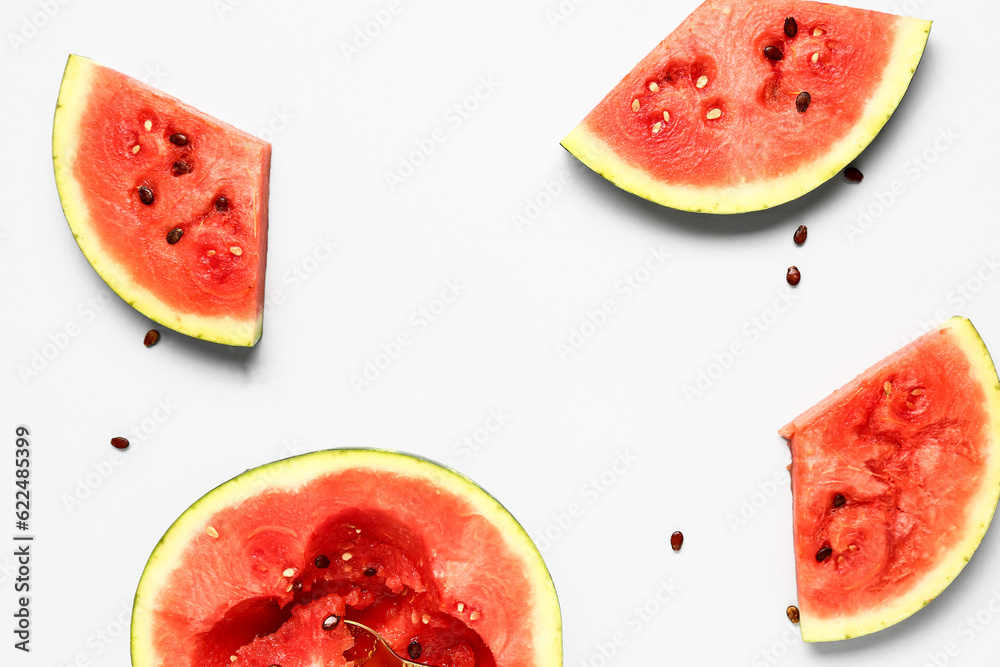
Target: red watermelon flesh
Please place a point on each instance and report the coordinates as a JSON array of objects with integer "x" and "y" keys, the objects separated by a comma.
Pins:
[
  {"x": 708, "y": 122},
  {"x": 421, "y": 556},
  {"x": 167, "y": 203},
  {"x": 895, "y": 478}
]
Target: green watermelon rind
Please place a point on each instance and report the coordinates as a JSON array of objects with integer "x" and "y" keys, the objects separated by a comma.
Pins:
[
  {"x": 982, "y": 508},
  {"x": 76, "y": 83},
  {"x": 586, "y": 144},
  {"x": 290, "y": 473}
]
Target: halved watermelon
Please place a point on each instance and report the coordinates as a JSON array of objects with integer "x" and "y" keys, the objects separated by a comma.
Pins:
[
  {"x": 262, "y": 570},
  {"x": 168, "y": 204},
  {"x": 895, "y": 479},
  {"x": 747, "y": 105}
]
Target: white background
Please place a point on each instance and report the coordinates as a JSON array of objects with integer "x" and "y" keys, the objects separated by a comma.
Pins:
[{"x": 339, "y": 122}]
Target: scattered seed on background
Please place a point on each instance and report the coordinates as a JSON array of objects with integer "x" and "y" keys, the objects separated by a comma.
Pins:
[
  {"x": 839, "y": 500},
  {"x": 474, "y": 616},
  {"x": 815, "y": 57},
  {"x": 792, "y": 276},
  {"x": 800, "y": 235},
  {"x": 853, "y": 174},
  {"x": 713, "y": 114},
  {"x": 146, "y": 195},
  {"x": 635, "y": 105},
  {"x": 212, "y": 532},
  {"x": 653, "y": 86},
  {"x": 148, "y": 125},
  {"x": 151, "y": 338},
  {"x": 331, "y": 621},
  {"x": 221, "y": 203},
  {"x": 677, "y": 540},
  {"x": 793, "y": 614},
  {"x": 887, "y": 388},
  {"x": 802, "y": 101},
  {"x": 414, "y": 650},
  {"x": 817, "y": 32},
  {"x": 657, "y": 126},
  {"x": 791, "y": 27},
  {"x": 823, "y": 554},
  {"x": 174, "y": 235},
  {"x": 178, "y": 139},
  {"x": 702, "y": 81},
  {"x": 321, "y": 562},
  {"x": 773, "y": 52},
  {"x": 119, "y": 442},
  {"x": 666, "y": 116},
  {"x": 136, "y": 149},
  {"x": 236, "y": 250}
]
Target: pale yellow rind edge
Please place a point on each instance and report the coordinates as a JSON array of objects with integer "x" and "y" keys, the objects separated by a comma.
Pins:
[
  {"x": 292, "y": 473},
  {"x": 984, "y": 506},
  {"x": 908, "y": 47},
  {"x": 65, "y": 138}
]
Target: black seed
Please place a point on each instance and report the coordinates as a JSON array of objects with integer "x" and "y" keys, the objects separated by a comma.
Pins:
[
  {"x": 181, "y": 168},
  {"x": 839, "y": 500},
  {"x": 322, "y": 562},
  {"x": 823, "y": 554},
  {"x": 802, "y": 101},
  {"x": 773, "y": 53},
  {"x": 296, "y": 586},
  {"x": 370, "y": 572},
  {"x": 793, "y": 613},
  {"x": 151, "y": 338},
  {"x": 221, "y": 203},
  {"x": 331, "y": 621},
  {"x": 800, "y": 235},
  {"x": 179, "y": 139},
  {"x": 853, "y": 174},
  {"x": 119, "y": 442},
  {"x": 791, "y": 27},
  {"x": 676, "y": 540},
  {"x": 793, "y": 276},
  {"x": 146, "y": 195},
  {"x": 414, "y": 650},
  {"x": 174, "y": 235}
]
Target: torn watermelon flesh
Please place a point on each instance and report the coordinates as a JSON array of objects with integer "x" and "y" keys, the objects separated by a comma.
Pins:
[
  {"x": 760, "y": 134},
  {"x": 380, "y": 573},
  {"x": 912, "y": 439},
  {"x": 217, "y": 266}
]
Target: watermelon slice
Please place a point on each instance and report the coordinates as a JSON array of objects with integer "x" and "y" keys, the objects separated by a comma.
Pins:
[
  {"x": 167, "y": 204},
  {"x": 895, "y": 478},
  {"x": 748, "y": 105},
  {"x": 262, "y": 570}
]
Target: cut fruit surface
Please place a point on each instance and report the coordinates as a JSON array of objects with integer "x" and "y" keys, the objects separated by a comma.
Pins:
[
  {"x": 266, "y": 566},
  {"x": 736, "y": 112},
  {"x": 895, "y": 479},
  {"x": 168, "y": 204}
]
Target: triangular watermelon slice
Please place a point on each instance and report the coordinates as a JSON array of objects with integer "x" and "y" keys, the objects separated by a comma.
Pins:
[
  {"x": 747, "y": 105},
  {"x": 895, "y": 479},
  {"x": 168, "y": 204}
]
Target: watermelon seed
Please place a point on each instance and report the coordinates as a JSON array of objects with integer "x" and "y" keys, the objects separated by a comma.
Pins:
[
  {"x": 635, "y": 105},
  {"x": 146, "y": 195},
  {"x": 460, "y": 606},
  {"x": 347, "y": 555},
  {"x": 331, "y": 621},
  {"x": 815, "y": 57},
  {"x": 210, "y": 253},
  {"x": 713, "y": 114},
  {"x": 793, "y": 613},
  {"x": 676, "y": 540},
  {"x": 839, "y": 500},
  {"x": 887, "y": 388},
  {"x": 232, "y": 658},
  {"x": 474, "y": 616},
  {"x": 290, "y": 572},
  {"x": 297, "y": 585},
  {"x": 823, "y": 554},
  {"x": 151, "y": 338},
  {"x": 370, "y": 572},
  {"x": 666, "y": 116},
  {"x": 800, "y": 235},
  {"x": 236, "y": 250},
  {"x": 802, "y": 101},
  {"x": 701, "y": 82},
  {"x": 178, "y": 139},
  {"x": 853, "y": 174},
  {"x": 148, "y": 125},
  {"x": 791, "y": 29},
  {"x": 916, "y": 392},
  {"x": 910, "y": 405},
  {"x": 135, "y": 149},
  {"x": 425, "y": 619},
  {"x": 181, "y": 168},
  {"x": 212, "y": 532},
  {"x": 657, "y": 126},
  {"x": 653, "y": 86},
  {"x": 792, "y": 276},
  {"x": 119, "y": 442},
  {"x": 174, "y": 235},
  {"x": 321, "y": 562},
  {"x": 221, "y": 203},
  {"x": 818, "y": 31},
  {"x": 773, "y": 53},
  {"x": 414, "y": 650}
]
